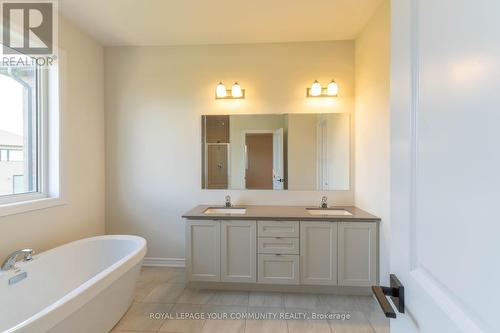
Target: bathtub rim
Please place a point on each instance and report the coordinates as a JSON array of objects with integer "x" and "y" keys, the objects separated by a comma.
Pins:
[{"x": 82, "y": 294}]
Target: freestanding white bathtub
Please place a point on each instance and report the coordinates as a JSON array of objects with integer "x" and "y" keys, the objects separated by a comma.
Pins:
[{"x": 80, "y": 287}]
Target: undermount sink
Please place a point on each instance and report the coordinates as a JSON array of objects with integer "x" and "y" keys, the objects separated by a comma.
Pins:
[
  {"x": 328, "y": 212},
  {"x": 225, "y": 211}
]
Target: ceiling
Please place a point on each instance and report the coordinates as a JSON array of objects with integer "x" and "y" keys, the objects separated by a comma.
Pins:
[{"x": 191, "y": 22}]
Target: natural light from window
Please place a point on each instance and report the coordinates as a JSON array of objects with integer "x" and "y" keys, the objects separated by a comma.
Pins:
[{"x": 18, "y": 130}]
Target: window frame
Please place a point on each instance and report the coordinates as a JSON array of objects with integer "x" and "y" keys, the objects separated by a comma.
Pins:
[
  {"x": 40, "y": 112},
  {"x": 48, "y": 181}
]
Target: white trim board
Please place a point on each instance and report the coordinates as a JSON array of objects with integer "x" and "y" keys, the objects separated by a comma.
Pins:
[{"x": 164, "y": 262}]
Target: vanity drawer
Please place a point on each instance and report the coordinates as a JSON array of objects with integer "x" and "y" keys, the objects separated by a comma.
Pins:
[
  {"x": 278, "y": 245},
  {"x": 278, "y": 269},
  {"x": 278, "y": 228}
]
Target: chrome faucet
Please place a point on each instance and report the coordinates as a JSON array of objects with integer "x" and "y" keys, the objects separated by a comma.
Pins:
[
  {"x": 228, "y": 201},
  {"x": 11, "y": 260},
  {"x": 324, "y": 202}
]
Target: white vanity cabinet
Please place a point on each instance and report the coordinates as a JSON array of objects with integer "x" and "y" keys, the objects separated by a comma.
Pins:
[
  {"x": 238, "y": 251},
  {"x": 329, "y": 253},
  {"x": 318, "y": 253},
  {"x": 278, "y": 269},
  {"x": 278, "y": 229},
  {"x": 203, "y": 250},
  {"x": 221, "y": 251},
  {"x": 279, "y": 248},
  {"x": 357, "y": 254}
]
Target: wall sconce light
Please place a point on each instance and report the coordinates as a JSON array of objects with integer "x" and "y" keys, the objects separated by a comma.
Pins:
[
  {"x": 316, "y": 90},
  {"x": 234, "y": 93}
]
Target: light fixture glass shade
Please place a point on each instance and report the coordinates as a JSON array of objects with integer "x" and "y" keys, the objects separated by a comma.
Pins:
[
  {"x": 333, "y": 89},
  {"x": 220, "y": 91},
  {"x": 236, "y": 90},
  {"x": 315, "y": 89}
]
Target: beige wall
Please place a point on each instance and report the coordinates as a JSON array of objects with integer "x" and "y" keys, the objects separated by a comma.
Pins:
[
  {"x": 154, "y": 99},
  {"x": 302, "y": 151},
  {"x": 339, "y": 147},
  {"x": 372, "y": 125},
  {"x": 82, "y": 150}
]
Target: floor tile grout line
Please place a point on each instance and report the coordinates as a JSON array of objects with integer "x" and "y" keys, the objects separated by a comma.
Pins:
[
  {"x": 359, "y": 307},
  {"x": 369, "y": 322}
]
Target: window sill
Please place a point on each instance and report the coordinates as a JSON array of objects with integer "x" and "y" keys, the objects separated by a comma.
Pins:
[{"x": 29, "y": 205}]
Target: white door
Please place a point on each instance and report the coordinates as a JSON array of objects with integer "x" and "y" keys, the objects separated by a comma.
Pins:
[
  {"x": 318, "y": 253},
  {"x": 445, "y": 150},
  {"x": 278, "y": 169},
  {"x": 203, "y": 250},
  {"x": 238, "y": 251}
]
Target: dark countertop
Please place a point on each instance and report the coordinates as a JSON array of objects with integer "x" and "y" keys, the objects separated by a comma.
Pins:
[{"x": 276, "y": 213}]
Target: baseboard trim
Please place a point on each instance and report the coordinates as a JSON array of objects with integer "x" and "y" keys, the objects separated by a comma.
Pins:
[{"x": 164, "y": 262}]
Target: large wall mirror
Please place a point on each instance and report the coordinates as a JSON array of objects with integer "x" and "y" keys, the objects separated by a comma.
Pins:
[{"x": 276, "y": 151}]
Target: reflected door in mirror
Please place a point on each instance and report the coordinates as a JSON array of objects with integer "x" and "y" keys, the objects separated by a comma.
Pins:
[
  {"x": 278, "y": 163},
  {"x": 259, "y": 164}
]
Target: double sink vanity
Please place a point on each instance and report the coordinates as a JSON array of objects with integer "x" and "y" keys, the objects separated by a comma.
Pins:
[{"x": 282, "y": 246}]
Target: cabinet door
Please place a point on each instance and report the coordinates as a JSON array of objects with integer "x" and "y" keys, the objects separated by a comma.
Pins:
[
  {"x": 318, "y": 253},
  {"x": 357, "y": 253},
  {"x": 278, "y": 269},
  {"x": 238, "y": 251},
  {"x": 203, "y": 250}
]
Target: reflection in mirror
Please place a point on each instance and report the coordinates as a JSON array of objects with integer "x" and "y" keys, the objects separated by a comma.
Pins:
[{"x": 276, "y": 151}]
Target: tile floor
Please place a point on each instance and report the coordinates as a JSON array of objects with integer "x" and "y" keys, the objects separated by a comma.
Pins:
[{"x": 162, "y": 291}]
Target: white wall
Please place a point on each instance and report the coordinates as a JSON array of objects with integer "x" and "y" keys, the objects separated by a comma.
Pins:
[
  {"x": 82, "y": 150},
  {"x": 372, "y": 125},
  {"x": 154, "y": 99}
]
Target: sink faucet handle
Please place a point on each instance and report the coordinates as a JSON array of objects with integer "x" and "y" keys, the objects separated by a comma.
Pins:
[
  {"x": 28, "y": 254},
  {"x": 324, "y": 202}
]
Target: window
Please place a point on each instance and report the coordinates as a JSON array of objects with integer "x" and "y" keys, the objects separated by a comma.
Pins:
[
  {"x": 21, "y": 119},
  {"x": 18, "y": 184},
  {"x": 16, "y": 155},
  {"x": 12, "y": 155}
]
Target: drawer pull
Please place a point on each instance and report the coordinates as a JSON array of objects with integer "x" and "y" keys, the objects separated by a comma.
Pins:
[{"x": 278, "y": 237}]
